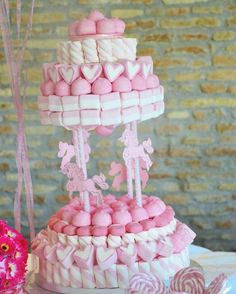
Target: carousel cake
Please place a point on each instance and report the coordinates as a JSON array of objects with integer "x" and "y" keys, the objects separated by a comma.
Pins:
[{"x": 97, "y": 240}]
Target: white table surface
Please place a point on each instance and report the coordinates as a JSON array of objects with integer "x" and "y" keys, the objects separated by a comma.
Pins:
[{"x": 212, "y": 263}]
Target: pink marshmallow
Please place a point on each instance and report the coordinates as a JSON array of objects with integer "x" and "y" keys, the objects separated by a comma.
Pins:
[
  {"x": 165, "y": 218},
  {"x": 104, "y": 131},
  {"x": 67, "y": 215},
  {"x": 119, "y": 205},
  {"x": 119, "y": 25},
  {"x": 47, "y": 88},
  {"x": 109, "y": 199},
  {"x": 152, "y": 81},
  {"x": 122, "y": 217},
  {"x": 138, "y": 83},
  {"x": 122, "y": 84},
  {"x": 134, "y": 227},
  {"x": 127, "y": 255},
  {"x": 59, "y": 226},
  {"x": 95, "y": 15},
  {"x": 81, "y": 219},
  {"x": 84, "y": 231},
  {"x": 104, "y": 208},
  {"x": 101, "y": 86},
  {"x": 106, "y": 26},
  {"x": 62, "y": 89},
  {"x": 86, "y": 27},
  {"x": 69, "y": 230},
  {"x": 117, "y": 230},
  {"x": 99, "y": 231},
  {"x": 125, "y": 198},
  {"x": 53, "y": 219},
  {"x": 101, "y": 219},
  {"x": 72, "y": 29},
  {"x": 155, "y": 207},
  {"x": 106, "y": 257},
  {"x": 139, "y": 214},
  {"x": 80, "y": 87},
  {"x": 148, "y": 224}
]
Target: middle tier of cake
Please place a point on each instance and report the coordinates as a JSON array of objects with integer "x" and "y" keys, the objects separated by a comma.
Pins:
[{"x": 100, "y": 94}]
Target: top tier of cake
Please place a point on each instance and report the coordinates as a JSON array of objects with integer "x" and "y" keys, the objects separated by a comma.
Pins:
[
  {"x": 96, "y": 39},
  {"x": 98, "y": 80}
]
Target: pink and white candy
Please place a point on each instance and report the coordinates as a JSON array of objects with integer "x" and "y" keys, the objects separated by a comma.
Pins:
[
  {"x": 189, "y": 280},
  {"x": 146, "y": 283},
  {"x": 217, "y": 285}
]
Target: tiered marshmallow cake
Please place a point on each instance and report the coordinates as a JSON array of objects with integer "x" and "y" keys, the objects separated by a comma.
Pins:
[{"x": 98, "y": 83}]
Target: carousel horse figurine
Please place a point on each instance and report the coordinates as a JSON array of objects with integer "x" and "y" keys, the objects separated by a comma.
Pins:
[
  {"x": 66, "y": 152},
  {"x": 134, "y": 150},
  {"x": 77, "y": 181}
]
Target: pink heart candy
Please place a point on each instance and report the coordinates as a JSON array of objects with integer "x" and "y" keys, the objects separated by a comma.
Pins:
[
  {"x": 113, "y": 70},
  {"x": 85, "y": 257},
  {"x": 131, "y": 69},
  {"x": 53, "y": 74},
  {"x": 50, "y": 253},
  {"x": 147, "y": 250},
  {"x": 145, "y": 69},
  {"x": 65, "y": 255},
  {"x": 69, "y": 73},
  {"x": 106, "y": 257},
  {"x": 91, "y": 71},
  {"x": 127, "y": 255}
]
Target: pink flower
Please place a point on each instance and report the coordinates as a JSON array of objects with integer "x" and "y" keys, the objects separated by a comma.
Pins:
[
  {"x": 7, "y": 246},
  {"x": 2, "y": 272}
]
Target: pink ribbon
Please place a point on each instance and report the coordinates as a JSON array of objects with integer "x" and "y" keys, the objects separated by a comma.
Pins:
[{"x": 14, "y": 68}]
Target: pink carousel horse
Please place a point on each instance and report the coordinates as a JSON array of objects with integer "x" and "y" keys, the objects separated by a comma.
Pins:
[
  {"x": 77, "y": 181},
  {"x": 134, "y": 150},
  {"x": 67, "y": 152}
]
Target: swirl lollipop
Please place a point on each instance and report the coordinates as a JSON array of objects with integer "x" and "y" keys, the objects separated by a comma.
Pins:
[
  {"x": 146, "y": 284},
  {"x": 217, "y": 285},
  {"x": 189, "y": 280}
]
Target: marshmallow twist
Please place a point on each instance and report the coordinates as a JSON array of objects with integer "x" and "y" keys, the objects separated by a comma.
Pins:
[
  {"x": 105, "y": 49},
  {"x": 76, "y": 53},
  {"x": 90, "y": 51}
]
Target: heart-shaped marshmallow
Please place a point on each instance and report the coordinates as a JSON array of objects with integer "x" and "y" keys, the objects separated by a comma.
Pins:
[
  {"x": 147, "y": 250},
  {"x": 131, "y": 69},
  {"x": 127, "y": 255},
  {"x": 113, "y": 70},
  {"x": 164, "y": 247},
  {"x": 85, "y": 257},
  {"x": 106, "y": 257},
  {"x": 53, "y": 74},
  {"x": 65, "y": 255},
  {"x": 91, "y": 71},
  {"x": 69, "y": 73},
  {"x": 46, "y": 66},
  {"x": 145, "y": 69},
  {"x": 50, "y": 253}
]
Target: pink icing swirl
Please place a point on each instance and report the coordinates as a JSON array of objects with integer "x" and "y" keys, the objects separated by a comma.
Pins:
[{"x": 146, "y": 283}]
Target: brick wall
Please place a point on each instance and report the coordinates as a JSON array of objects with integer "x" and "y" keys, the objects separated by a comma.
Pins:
[{"x": 194, "y": 50}]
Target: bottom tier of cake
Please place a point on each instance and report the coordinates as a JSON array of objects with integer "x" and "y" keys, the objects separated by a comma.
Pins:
[{"x": 55, "y": 276}]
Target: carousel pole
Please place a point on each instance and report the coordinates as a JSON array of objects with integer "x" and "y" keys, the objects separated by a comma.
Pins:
[
  {"x": 137, "y": 178},
  {"x": 77, "y": 154},
  {"x": 83, "y": 166},
  {"x": 129, "y": 173}
]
